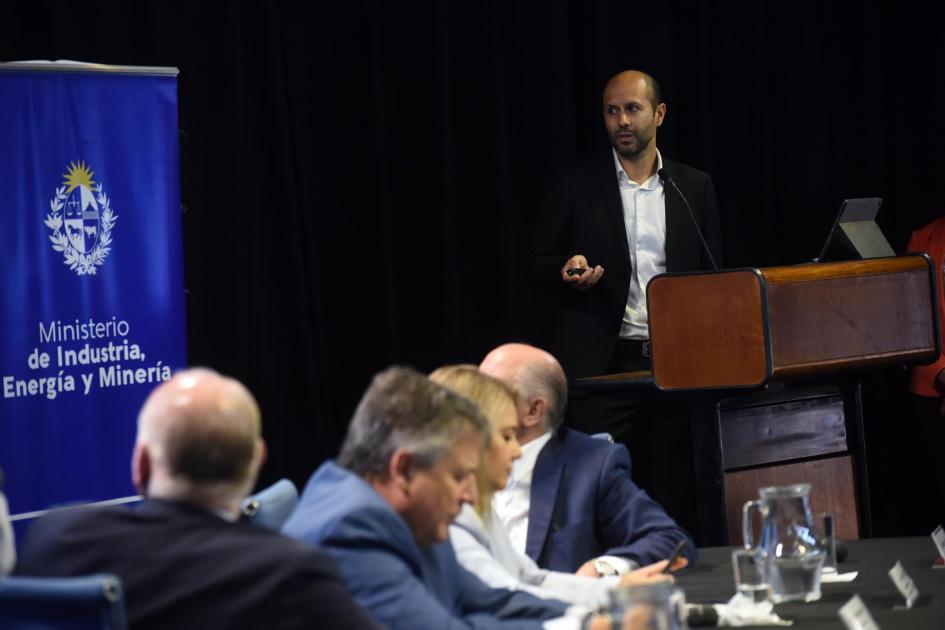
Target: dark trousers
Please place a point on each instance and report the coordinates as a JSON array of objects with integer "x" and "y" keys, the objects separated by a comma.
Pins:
[{"x": 654, "y": 428}]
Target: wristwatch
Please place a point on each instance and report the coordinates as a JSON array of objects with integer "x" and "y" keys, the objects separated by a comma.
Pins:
[{"x": 604, "y": 568}]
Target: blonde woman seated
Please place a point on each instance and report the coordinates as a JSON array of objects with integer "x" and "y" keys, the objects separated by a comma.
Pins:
[{"x": 481, "y": 543}]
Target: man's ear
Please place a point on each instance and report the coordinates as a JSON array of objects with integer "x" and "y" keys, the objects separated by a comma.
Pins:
[
  {"x": 141, "y": 468},
  {"x": 259, "y": 455},
  {"x": 400, "y": 469},
  {"x": 535, "y": 414},
  {"x": 660, "y": 113}
]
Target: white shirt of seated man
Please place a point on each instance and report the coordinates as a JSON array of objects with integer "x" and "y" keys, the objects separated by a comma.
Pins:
[
  {"x": 530, "y": 370},
  {"x": 511, "y": 506}
]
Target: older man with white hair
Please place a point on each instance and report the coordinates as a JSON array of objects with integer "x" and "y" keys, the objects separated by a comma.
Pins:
[{"x": 571, "y": 504}]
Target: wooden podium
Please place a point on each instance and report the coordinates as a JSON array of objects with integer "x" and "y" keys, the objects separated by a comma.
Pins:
[
  {"x": 740, "y": 328},
  {"x": 721, "y": 334}
]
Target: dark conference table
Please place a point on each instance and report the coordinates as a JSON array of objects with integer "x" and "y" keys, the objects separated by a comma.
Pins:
[{"x": 710, "y": 581}]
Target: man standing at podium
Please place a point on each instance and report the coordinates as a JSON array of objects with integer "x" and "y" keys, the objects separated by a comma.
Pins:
[{"x": 608, "y": 226}]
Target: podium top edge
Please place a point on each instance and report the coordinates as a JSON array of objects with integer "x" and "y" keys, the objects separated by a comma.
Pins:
[{"x": 81, "y": 66}]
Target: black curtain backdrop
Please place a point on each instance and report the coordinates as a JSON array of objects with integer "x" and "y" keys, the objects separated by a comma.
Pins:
[{"x": 360, "y": 178}]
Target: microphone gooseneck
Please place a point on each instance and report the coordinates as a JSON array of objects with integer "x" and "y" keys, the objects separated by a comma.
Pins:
[{"x": 668, "y": 179}]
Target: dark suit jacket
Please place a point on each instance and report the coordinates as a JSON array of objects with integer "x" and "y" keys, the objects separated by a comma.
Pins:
[
  {"x": 582, "y": 214},
  {"x": 183, "y": 567},
  {"x": 583, "y": 504}
]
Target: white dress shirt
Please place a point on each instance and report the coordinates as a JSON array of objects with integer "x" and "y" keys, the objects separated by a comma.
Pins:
[
  {"x": 511, "y": 504},
  {"x": 511, "y": 507},
  {"x": 487, "y": 553},
  {"x": 644, "y": 217}
]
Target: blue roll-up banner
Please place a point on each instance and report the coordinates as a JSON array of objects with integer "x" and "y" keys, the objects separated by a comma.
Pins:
[{"x": 92, "y": 307}]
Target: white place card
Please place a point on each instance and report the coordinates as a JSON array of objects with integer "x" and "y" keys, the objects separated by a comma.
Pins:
[
  {"x": 838, "y": 578},
  {"x": 938, "y": 537},
  {"x": 904, "y": 583},
  {"x": 856, "y": 616}
]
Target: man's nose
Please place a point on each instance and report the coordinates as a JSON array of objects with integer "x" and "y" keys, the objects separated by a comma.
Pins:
[{"x": 468, "y": 493}]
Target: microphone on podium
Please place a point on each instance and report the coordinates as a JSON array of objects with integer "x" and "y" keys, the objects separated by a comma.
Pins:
[{"x": 668, "y": 179}]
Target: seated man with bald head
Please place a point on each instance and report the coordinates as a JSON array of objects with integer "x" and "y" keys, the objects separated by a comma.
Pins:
[
  {"x": 183, "y": 559},
  {"x": 570, "y": 504}
]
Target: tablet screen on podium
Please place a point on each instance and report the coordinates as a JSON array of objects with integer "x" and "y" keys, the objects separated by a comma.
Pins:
[{"x": 854, "y": 233}]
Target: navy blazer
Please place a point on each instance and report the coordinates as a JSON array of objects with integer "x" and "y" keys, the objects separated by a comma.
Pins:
[
  {"x": 183, "y": 567},
  {"x": 583, "y": 504},
  {"x": 582, "y": 214},
  {"x": 390, "y": 575}
]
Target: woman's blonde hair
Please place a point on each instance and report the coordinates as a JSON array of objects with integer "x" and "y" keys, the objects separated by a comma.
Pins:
[{"x": 494, "y": 398}]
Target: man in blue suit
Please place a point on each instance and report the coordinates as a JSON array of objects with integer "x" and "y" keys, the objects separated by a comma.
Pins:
[
  {"x": 570, "y": 504},
  {"x": 383, "y": 510}
]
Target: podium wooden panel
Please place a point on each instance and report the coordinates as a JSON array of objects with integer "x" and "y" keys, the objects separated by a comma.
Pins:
[
  {"x": 721, "y": 334},
  {"x": 737, "y": 329},
  {"x": 832, "y": 478}
]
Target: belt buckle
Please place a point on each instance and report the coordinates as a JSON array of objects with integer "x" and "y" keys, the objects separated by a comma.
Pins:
[{"x": 646, "y": 349}]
